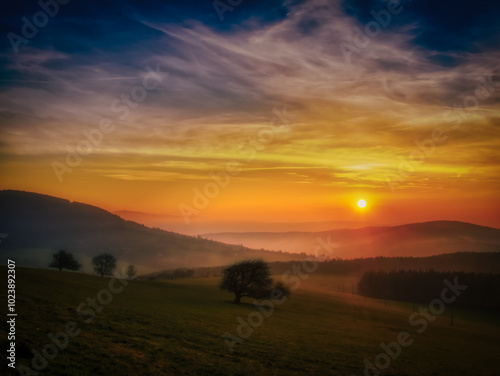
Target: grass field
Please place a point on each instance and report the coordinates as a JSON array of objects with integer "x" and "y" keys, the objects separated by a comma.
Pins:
[{"x": 176, "y": 328}]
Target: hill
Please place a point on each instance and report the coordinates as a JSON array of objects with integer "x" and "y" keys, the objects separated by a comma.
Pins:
[
  {"x": 417, "y": 239},
  {"x": 36, "y": 225},
  {"x": 177, "y": 328}
]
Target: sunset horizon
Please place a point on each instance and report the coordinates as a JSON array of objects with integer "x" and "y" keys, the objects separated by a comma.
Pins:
[{"x": 200, "y": 225}]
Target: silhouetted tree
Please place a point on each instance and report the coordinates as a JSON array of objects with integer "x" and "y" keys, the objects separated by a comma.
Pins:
[
  {"x": 104, "y": 264},
  {"x": 131, "y": 271},
  {"x": 63, "y": 259},
  {"x": 250, "y": 278}
]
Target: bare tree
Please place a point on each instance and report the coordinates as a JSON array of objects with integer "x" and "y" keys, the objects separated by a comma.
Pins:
[
  {"x": 104, "y": 264},
  {"x": 131, "y": 271},
  {"x": 63, "y": 259}
]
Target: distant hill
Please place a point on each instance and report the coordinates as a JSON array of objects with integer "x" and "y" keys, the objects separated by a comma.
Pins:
[
  {"x": 35, "y": 225},
  {"x": 418, "y": 239},
  {"x": 176, "y": 223}
]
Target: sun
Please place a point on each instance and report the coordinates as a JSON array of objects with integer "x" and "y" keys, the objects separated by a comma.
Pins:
[{"x": 361, "y": 203}]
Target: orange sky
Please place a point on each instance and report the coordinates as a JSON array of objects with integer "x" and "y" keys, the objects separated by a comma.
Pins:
[{"x": 308, "y": 132}]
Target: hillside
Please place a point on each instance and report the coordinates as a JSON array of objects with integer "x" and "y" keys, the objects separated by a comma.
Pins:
[
  {"x": 417, "y": 239},
  {"x": 177, "y": 328},
  {"x": 36, "y": 225}
]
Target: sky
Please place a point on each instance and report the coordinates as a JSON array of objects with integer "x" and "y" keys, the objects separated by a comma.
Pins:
[{"x": 255, "y": 112}]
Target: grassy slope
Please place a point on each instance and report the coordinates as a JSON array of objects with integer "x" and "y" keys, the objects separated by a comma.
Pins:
[{"x": 155, "y": 328}]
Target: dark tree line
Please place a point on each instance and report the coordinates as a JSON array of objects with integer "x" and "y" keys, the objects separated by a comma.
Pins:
[
  {"x": 466, "y": 261},
  {"x": 171, "y": 274},
  {"x": 483, "y": 290}
]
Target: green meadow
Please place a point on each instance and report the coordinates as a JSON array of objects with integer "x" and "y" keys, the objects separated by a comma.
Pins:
[{"x": 177, "y": 328}]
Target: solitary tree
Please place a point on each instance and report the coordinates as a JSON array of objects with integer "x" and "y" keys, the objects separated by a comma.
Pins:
[
  {"x": 104, "y": 264},
  {"x": 63, "y": 259},
  {"x": 131, "y": 271},
  {"x": 250, "y": 278}
]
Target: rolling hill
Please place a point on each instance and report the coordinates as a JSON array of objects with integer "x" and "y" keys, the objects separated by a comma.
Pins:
[
  {"x": 417, "y": 239},
  {"x": 177, "y": 328},
  {"x": 35, "y": 225}
]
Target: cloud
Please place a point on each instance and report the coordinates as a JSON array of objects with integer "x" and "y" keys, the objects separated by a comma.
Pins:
[{"x": 222, "y": 87}]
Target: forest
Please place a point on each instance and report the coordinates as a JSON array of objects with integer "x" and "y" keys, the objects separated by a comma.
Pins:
[{"x": 478, "y": 290}]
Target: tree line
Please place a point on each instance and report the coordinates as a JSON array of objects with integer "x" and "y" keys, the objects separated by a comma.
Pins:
[
  {"x": 417, "y": 286},
  {"x": 248, "y": 278},
  {"x": 171, "y": 274},
  {"x": 466, "y": 261}
]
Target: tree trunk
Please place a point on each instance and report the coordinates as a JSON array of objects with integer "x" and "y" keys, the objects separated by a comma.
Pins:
[{"x": 237, "y": 299}]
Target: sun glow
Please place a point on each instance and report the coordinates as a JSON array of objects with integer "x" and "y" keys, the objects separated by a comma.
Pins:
[{"x": 361, "y": 203}]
